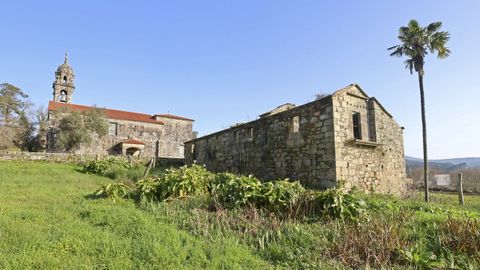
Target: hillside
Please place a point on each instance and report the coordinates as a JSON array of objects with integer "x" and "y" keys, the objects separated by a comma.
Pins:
[{"x": 444, "y": 164}]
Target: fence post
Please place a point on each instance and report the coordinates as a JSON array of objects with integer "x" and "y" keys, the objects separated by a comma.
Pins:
[
  {"x": 147, "y": 169},
  {"x": 461, "y": 199}
]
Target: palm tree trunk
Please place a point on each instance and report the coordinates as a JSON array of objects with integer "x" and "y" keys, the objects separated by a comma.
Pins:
[{"x": 424, "y": 133}]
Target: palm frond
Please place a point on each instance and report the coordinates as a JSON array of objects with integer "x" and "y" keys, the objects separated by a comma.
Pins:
[
  {"x": 409, "y": 65},
  {"x": 417, "y": 42}
]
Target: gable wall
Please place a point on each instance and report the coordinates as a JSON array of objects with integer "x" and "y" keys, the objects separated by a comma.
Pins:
[{"x": 378, "y": 166}]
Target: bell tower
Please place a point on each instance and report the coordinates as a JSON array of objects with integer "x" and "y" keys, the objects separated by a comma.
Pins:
[{"x": 63, "y": 85}]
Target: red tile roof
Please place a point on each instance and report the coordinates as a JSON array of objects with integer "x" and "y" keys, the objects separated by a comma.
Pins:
[
  {"x": 133, "y": 141},
  {"x": 174, "y": 117},
  {"x": 112, "y": 114}
]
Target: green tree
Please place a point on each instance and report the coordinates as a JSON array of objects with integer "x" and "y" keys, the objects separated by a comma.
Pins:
[
  {"x": 12, "y": 103},
  {"x": 25, "y": 137},
  {"x": 76, "y": 129},
  {"x": 416, "y": 43}
]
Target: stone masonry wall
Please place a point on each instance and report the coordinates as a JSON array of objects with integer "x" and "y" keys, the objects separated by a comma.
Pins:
[
  {"x": 169, "y": 138},
  {"x": 322, "y": 152},
  {"x": 376, "y": 162},
  {"x": 269, "y": 147},
  {"x": 58, "y": 157}
]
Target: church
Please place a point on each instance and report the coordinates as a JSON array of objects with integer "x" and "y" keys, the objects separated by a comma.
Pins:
[{"x": 129, "y": 133}]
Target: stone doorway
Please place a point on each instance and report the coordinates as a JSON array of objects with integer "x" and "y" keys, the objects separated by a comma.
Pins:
[{"x": 132, "y": 151}]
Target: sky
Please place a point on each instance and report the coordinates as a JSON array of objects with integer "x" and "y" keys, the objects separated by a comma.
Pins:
[{"x": 225, "y": 62}]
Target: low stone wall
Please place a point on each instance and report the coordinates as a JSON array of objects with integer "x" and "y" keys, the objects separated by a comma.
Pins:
[
  {"x": 58, "y": 157},
  {"x": 169, "y": 162}
]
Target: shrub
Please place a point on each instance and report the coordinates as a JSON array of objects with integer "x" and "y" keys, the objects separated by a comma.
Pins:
[
  {"x": 184, "y": 181},
  {"x": 337, "y": 203},
  {"x": 278, "y": 195},
  {"x": 175, "y": 183},
  {"x": 101, "y": 166},
  {"x": 114, "y": 191},
  {"x": 231, "y": 191},
  {"x": 146, "y": 189}
]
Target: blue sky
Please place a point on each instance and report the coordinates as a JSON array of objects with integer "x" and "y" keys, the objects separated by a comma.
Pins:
[{"x": 223, "y": 62}]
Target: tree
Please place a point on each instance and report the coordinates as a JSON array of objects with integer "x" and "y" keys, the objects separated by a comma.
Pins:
[
  {"x": 12, "y": 103},
  {"x": 416, "y": 43},
  {"x": 25, "y": 137},
  {"x": 41, "y": 117},
  {"x": 76, "y": 129}
]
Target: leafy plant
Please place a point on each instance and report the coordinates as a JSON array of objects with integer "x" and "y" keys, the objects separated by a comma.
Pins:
[
  {"x": 114, "y": 191},
  {"x": 422, "y": 259},
  {"x": 102, "y": 166},
  {"x": 232, "y": 191},
  {"x": 109, "y": 167},
  {"x": 147, "y": 189},
  {"x": 336, "y": 203},
  {"x": 278, "y": 195}
]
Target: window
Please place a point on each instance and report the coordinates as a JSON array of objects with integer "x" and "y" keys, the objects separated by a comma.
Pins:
[
  {"x": 357, "y": 128},
  {"x": 250, "y": 134},
  {"x": 63, "y": 96},
  {"x": 295, "y": 124},
  {"x": 65, "y": 79},
  {"x": 112, "y": 129}
]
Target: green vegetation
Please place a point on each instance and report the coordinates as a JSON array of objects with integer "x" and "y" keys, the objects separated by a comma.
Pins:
[
  {"x": 114, "y": 168},
  {"x": 75, "y": 129},
  {"x": 49, "y": 221},
  {"x": 50, "y": 217}
]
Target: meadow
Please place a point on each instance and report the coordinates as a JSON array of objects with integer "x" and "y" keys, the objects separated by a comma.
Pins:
[{"x": 53, "y": 217}]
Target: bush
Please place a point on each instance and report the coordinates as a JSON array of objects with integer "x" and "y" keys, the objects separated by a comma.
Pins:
[
  {"x": 336, "y": 203},
  {"x": 114, "y": 191},
  {"x": 231, "y": 191},
  {"x": 278, "y": 195},
  {"x": 176, "y": 183},
  {"x": 101, "y": 166}
]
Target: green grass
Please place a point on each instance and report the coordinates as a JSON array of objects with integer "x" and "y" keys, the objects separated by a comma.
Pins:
[{"x": 48, "y": 221}]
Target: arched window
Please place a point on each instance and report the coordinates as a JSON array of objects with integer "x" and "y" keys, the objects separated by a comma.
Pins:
[
  {"x": 64, "y": 79},
  {"x": 63, "y": 96}
]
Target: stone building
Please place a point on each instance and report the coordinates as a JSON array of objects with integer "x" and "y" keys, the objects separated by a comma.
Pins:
[
  {"x": 130, "y": 133},
  {"x": 347, "y": 136}
]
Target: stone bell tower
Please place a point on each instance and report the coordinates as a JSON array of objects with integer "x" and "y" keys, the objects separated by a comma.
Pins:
[{"x": 63, "y": 86}]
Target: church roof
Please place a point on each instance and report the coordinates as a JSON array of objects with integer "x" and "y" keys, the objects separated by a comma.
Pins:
[
  {"x": 174, "y": 117},
  {"x": 109, "y": 113}
]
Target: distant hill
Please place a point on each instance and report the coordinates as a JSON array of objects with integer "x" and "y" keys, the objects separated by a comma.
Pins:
[{"x": 447, "y": 165}]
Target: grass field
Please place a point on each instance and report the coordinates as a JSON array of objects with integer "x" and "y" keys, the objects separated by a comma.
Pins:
[{"x": 50, "y": 220}]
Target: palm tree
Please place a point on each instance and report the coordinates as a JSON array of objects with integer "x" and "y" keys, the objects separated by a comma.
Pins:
[{"x": 416, "y": 43}]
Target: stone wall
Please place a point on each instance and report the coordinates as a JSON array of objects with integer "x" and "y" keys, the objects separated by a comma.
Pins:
[
  {"x": 160, "y": 140},
  {"x": 271, "y": 148},
  {"x": 322, "y": 152},
  {"x": 375, "y": 162},
  {"x": 76, "y": 158},
  {"x": 55, "y": 157}
]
